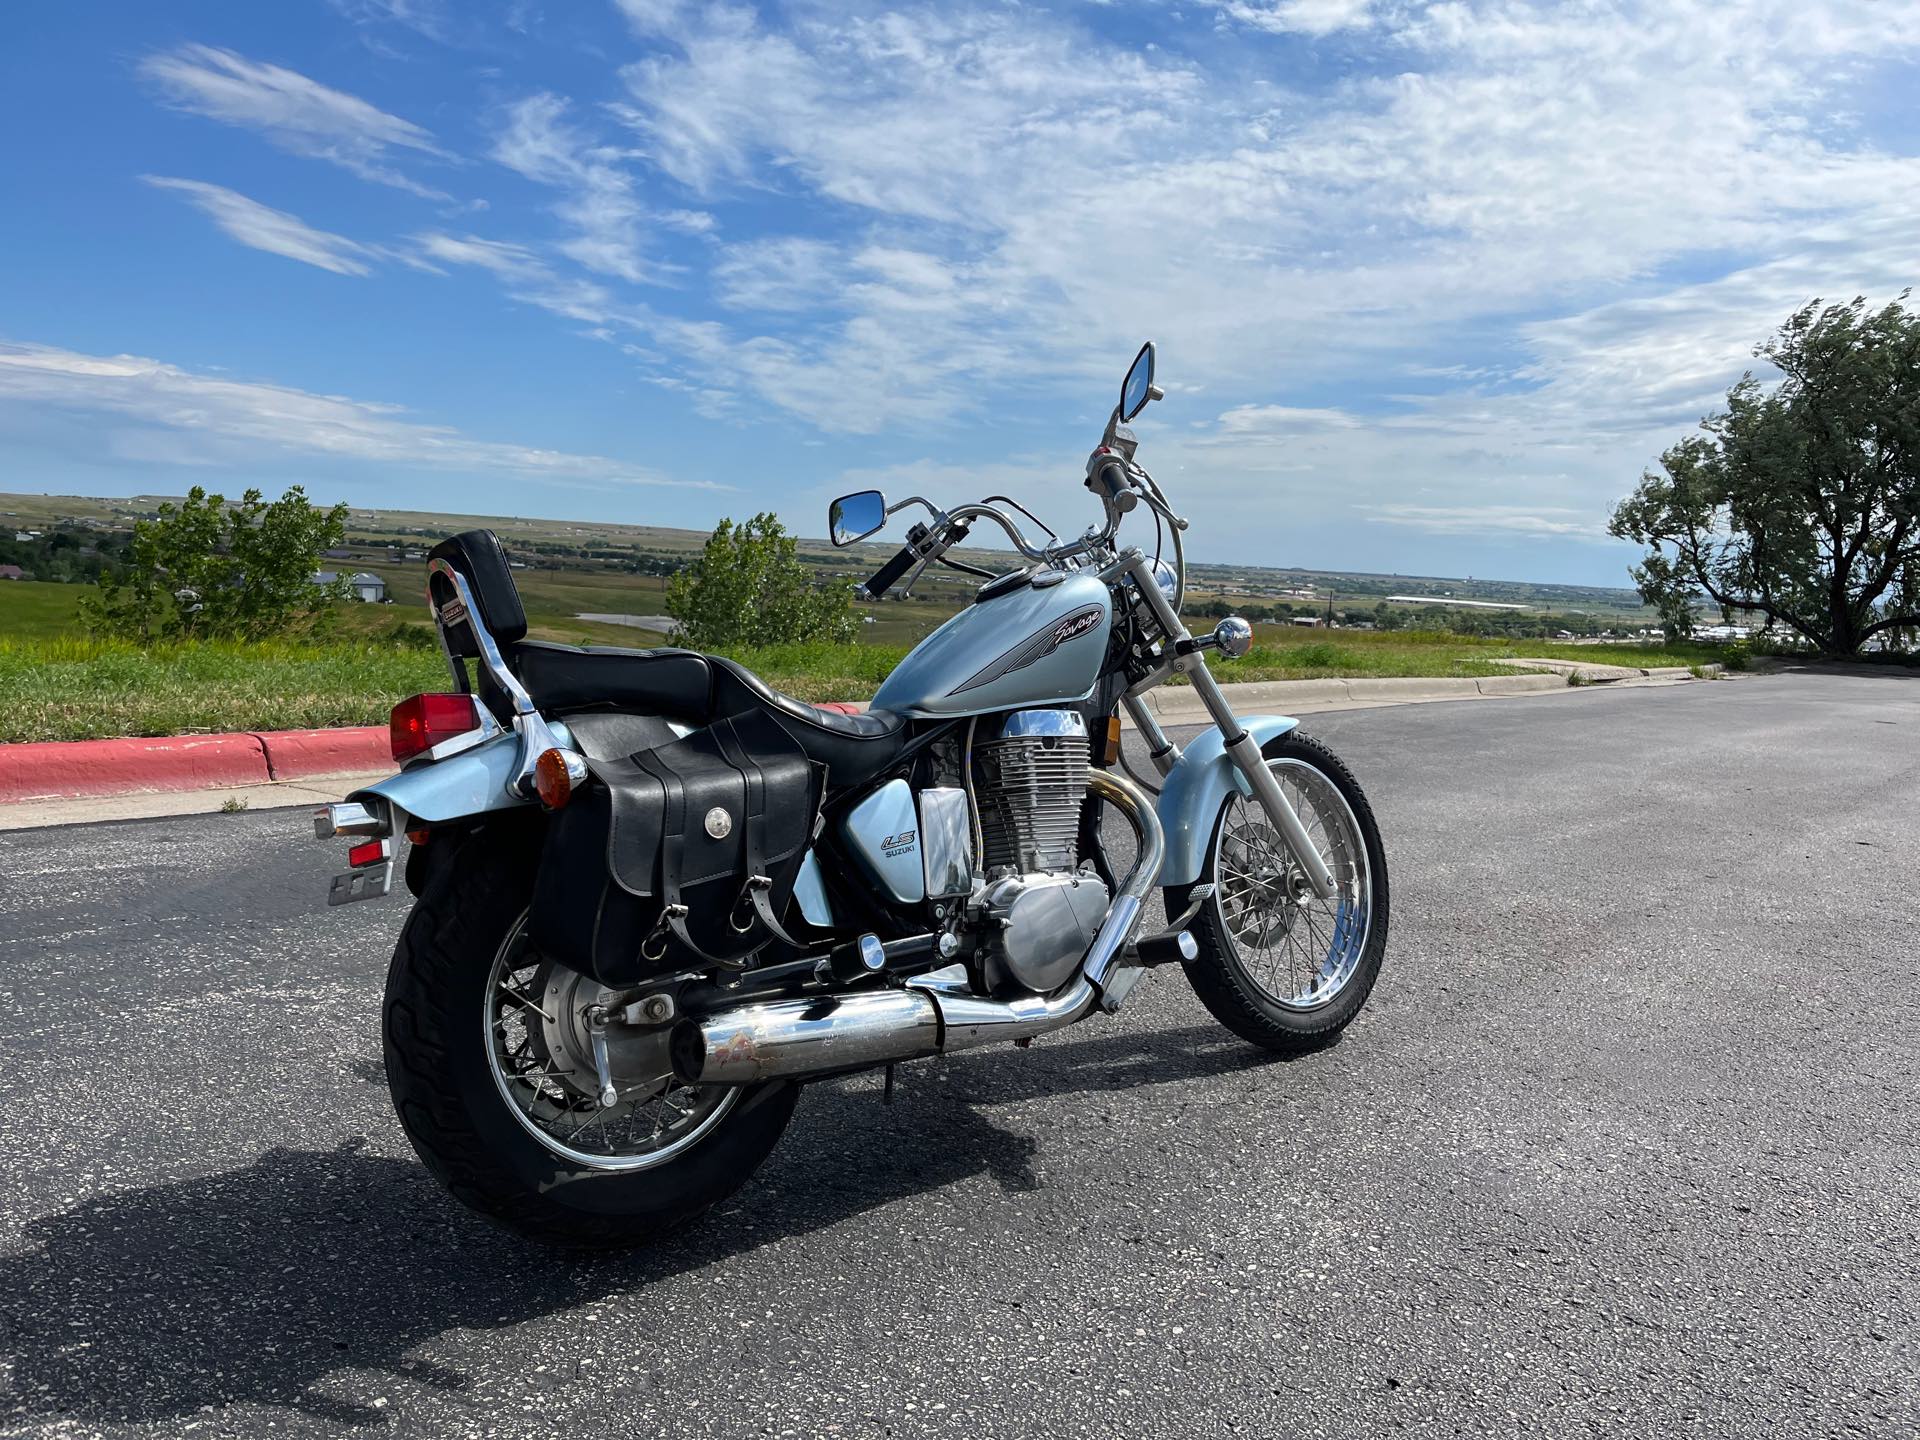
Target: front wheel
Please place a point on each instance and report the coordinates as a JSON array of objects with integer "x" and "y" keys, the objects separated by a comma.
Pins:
[
  {"x": 1277, "y": 965},
  {"x": 492, "y": 1071}
]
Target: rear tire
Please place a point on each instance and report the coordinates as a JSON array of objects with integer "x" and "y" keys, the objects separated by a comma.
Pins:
[
  {"x": 1350, "y": 934},
  {"x": 453, "y": 1112}
]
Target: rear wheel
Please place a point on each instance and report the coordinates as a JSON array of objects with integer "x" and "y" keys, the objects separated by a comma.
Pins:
[
  {"x": 490, "y": 1061},
  {"x": 1278, "y": 965}
]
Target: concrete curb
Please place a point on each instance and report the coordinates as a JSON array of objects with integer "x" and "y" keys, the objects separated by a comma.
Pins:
[
  {"x": 65, "y": 769},
  {"x": 148, "y": 765},
  {"x": 1180, "y": 705},
  {"x": 58, "y": 771},
  {"x": 305, "y": 754}
]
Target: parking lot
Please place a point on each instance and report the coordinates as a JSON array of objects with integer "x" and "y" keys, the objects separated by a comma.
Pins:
[{"x": 1625, "y": 1143}]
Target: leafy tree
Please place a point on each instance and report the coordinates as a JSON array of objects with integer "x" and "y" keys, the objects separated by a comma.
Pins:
[
  {"x": 207, "y": 568},
  {"x": 1801, "y": 502},
  {"x": 749, "y": 588}
]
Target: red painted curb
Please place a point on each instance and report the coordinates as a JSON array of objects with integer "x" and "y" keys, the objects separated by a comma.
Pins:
[
  {"x": 304, "y": 754},
  {"x": 76, "y": 769},
  {"x": 60, "y": 770}
]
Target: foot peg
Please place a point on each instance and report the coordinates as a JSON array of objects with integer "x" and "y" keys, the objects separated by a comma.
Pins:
[{"x": 1167, "y": 948}]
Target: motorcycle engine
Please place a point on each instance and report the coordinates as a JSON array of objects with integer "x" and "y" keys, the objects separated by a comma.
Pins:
[{"x": 1038, "y": 909}]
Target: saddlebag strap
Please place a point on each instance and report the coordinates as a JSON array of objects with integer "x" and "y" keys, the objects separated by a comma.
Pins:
[
  {"x": 673, "y": 846},
  {"x": 756, "y": 896}
]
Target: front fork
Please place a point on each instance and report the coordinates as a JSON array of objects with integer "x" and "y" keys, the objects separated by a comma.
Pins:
[{"x": 1241, "y": 748}]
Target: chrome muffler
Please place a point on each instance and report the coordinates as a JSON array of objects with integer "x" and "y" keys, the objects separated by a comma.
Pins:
[{"x": 857, "y": 1030}]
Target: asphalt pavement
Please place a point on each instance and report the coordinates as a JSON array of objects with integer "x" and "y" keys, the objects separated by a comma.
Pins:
[{"x": 1624, "y": 1144}]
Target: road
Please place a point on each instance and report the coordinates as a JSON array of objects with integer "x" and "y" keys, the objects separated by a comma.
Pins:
[{"x": 1624, "y": 1144}]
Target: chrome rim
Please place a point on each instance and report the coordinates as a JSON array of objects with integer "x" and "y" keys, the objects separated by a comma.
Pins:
[
  {"x": 1293, "y": 947},
  {"x": 540, "y": 1055}
]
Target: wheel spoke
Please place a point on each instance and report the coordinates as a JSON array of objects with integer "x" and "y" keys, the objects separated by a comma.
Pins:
[{"x": 1297, "y": 948}]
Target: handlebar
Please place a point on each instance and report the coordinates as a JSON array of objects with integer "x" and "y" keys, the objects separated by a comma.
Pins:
[
  {"x": 1109, "y": 478},
  {"x": 888, "y": 574}
]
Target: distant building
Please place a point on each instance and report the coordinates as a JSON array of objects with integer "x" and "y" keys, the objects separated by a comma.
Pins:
[
  {"x": 25, "y": 535},
  {"x": 12, "y": 572},
  {"x": 363, "y": 585}
]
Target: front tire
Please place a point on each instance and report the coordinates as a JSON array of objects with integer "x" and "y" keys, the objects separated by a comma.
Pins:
[
  {"x": 441, "y": 1003},
  {"x": 1277, "y": 965}
]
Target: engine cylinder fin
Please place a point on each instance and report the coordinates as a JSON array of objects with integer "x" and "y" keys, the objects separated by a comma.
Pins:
[{"x": 1030, "y": 790}]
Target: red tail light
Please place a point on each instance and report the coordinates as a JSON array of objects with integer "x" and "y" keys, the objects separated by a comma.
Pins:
[{"x": 423, "y": 721}]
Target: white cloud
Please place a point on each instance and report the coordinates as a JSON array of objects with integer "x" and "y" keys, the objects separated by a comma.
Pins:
[
  {"x": 274, "y": 231},
  {"x": 600, "y": 205},
  {"x": 525, "y": 275},
  {"x": 184, "y": 415},
  {"x": 1513, "y": 159},
  {"x": 1306, "y": 17},
  {"x": 426, "y": 17},
  {"x": 1484, "y": 520},
  {"x": 297, "y": 114}
]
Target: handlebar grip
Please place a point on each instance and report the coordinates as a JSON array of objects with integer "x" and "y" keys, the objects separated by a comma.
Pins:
[
  {"x": 1111, "y": 477},
  {"x": 884, "y": 578}
]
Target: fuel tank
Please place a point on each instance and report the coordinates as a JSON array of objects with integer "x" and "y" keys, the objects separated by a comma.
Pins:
[{"x": 1031, "y": 645}]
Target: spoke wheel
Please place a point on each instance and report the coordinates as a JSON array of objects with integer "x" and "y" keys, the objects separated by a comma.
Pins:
[
  {"x": 1274, "y": 962},
  {"x": 539, "y": 1045},
  {"x": 1298, "y": 949},
  {"x": 489, "y": 1056}
]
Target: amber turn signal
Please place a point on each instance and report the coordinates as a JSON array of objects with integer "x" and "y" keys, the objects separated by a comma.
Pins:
[
  {"x": 554, "y": 775},
  {"x": 1113, "y": 738}
]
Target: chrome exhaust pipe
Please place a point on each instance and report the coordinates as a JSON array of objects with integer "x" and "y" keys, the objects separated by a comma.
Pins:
[{"x": 831, "y": 1034}]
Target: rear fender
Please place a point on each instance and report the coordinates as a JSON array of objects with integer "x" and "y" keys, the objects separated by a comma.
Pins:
[
  {"x": 1196, "y": 788},
  {"x": 474, "y": 782}
]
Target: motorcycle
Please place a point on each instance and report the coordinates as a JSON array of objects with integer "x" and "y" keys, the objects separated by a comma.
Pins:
[{"x": 655, "y": 897}]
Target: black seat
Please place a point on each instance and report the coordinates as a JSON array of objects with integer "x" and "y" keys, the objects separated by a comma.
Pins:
[{"x": 694, "y": 688}]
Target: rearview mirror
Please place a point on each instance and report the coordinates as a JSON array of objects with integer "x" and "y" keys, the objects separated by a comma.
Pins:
[
  {"x": 853, "y": 517},
  {"x": 1137, "y": 388}
]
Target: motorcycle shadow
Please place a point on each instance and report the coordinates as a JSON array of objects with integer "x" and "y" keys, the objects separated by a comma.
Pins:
[{"x": 262, "y": 1285}]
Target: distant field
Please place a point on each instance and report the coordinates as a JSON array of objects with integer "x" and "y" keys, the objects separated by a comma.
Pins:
[
  {"x": 33, "y": 608},
  {"x": 57, "y": 684}
]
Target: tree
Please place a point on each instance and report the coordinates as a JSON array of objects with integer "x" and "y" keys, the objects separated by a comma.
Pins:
[
  {"x": 749, "y": 588},
  {"x": 208, "y": 569},
  {"x": 1801, "y": 502}
]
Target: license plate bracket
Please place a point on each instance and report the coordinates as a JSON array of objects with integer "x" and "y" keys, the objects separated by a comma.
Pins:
[{"x": 368, "y": 883}]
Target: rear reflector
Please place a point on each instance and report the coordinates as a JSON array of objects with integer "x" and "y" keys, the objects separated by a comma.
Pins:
[
  {"x": 371, "y": 853},
  {"x": 424, "y": 721}
]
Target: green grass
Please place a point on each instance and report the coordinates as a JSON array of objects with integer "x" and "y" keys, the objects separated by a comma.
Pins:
[
  {"x": 66, "y": 689},
  {"x": 86, "y": 689},
  {"x": 37, "y": 608}
]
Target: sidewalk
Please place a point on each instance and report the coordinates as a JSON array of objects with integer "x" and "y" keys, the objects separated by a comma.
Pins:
[{"x": 91, "y": 780}]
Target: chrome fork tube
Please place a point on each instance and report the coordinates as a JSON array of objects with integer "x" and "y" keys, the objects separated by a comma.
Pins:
[{"x": 1241, "y": 747}]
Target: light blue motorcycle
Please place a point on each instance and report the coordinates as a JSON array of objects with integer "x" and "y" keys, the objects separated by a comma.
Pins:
[{"x": 655, "y": 897}]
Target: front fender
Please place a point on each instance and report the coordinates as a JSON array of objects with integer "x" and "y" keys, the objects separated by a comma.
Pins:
[
  {"x": 1195, "y": 789},
  {"x": 470, "y": 783}
]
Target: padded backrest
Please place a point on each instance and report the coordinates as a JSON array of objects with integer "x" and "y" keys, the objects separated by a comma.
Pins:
[{"x": 477, "y": 555}]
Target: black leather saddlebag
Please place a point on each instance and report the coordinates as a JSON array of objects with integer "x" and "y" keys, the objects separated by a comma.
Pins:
[{"x": 678, "y": 857}]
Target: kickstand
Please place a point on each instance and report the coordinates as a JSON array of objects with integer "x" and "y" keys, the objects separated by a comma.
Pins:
[{"x": 886, "y": 1096}]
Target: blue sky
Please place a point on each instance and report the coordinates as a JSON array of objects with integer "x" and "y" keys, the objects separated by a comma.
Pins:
[{"x": 1431, "y": 282}]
